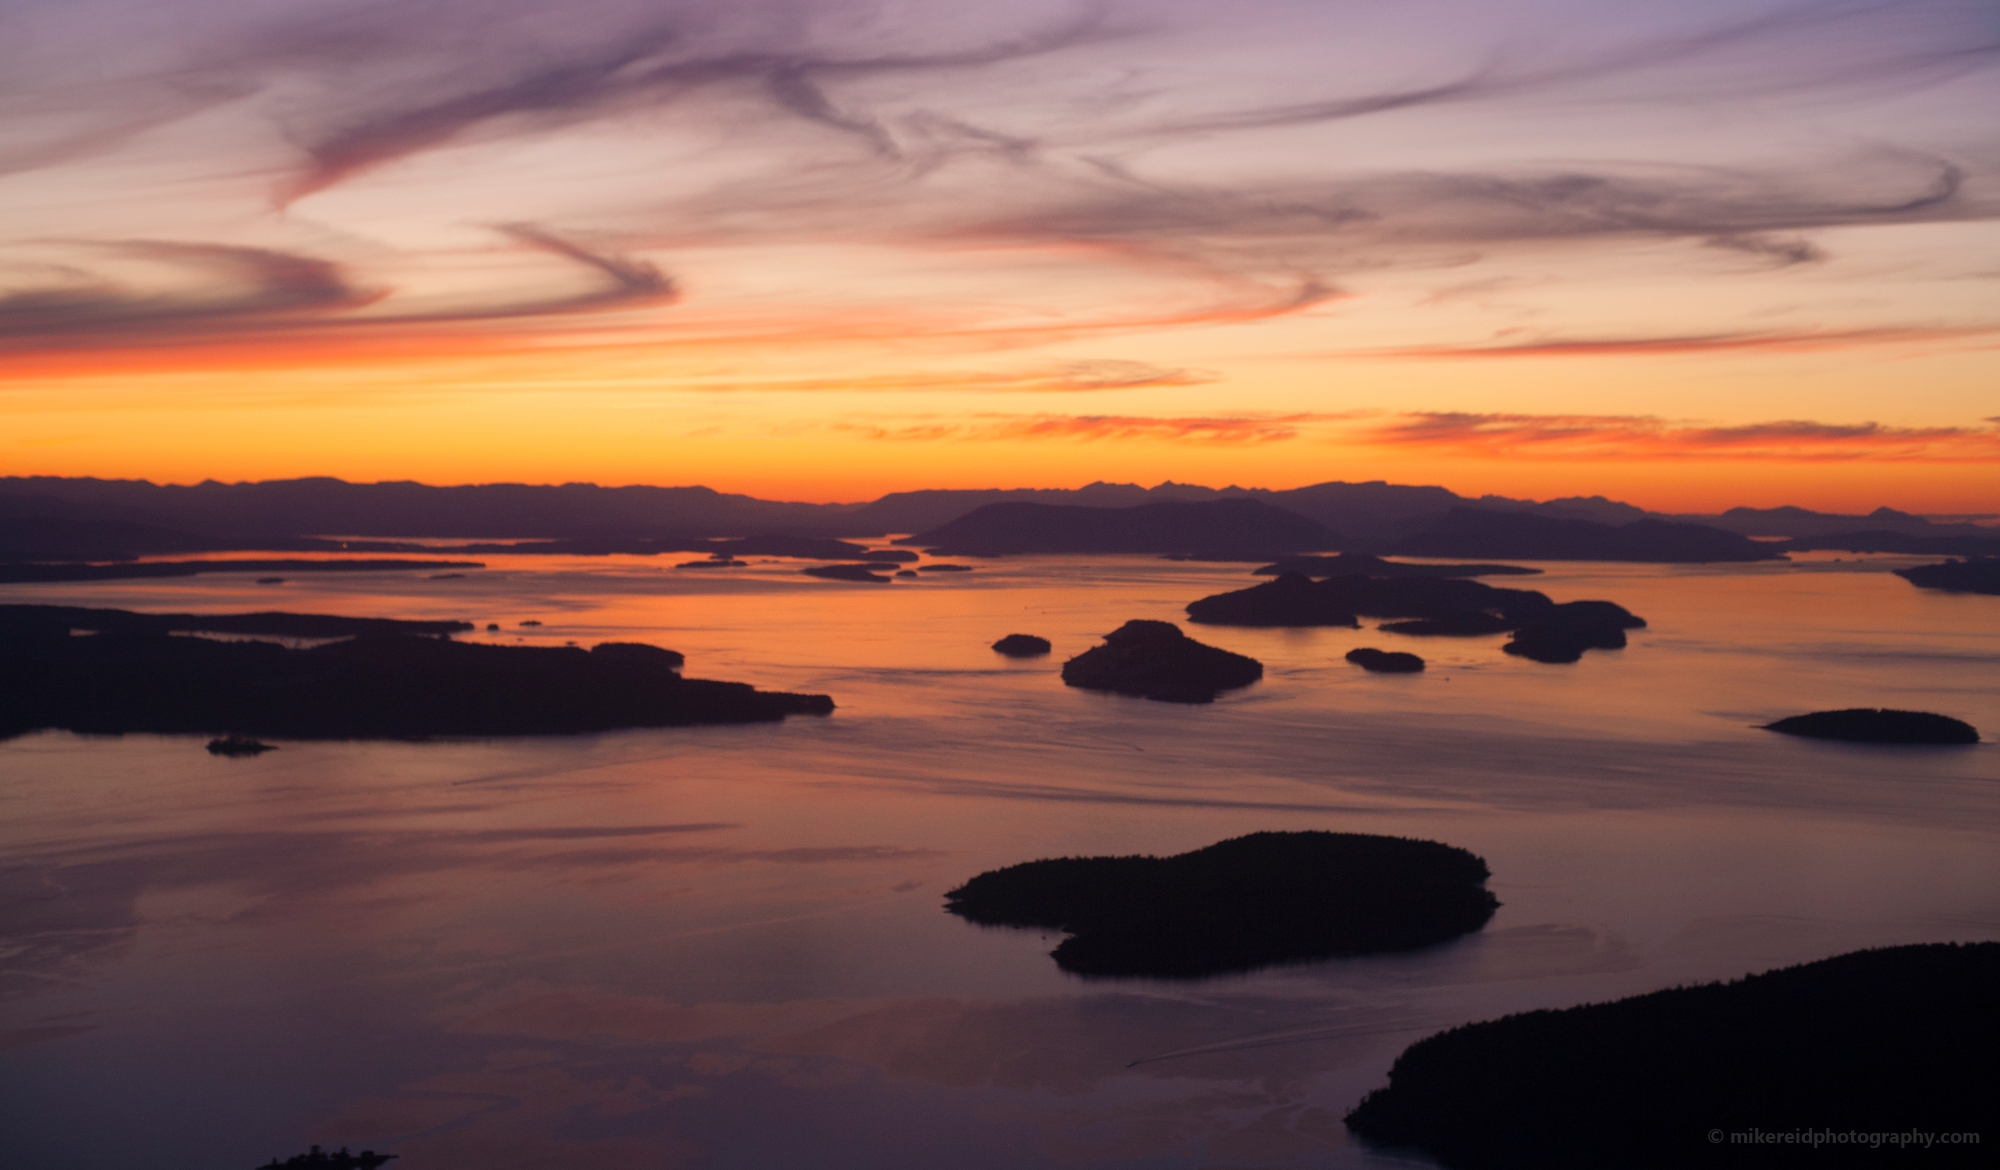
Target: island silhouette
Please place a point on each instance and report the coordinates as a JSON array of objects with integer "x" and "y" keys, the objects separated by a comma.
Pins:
[
  {"x": 1023, "y": 646},
  {"x": 1543, "y": 630},
  {"x": 1893, "y": 1040},
  {"x": 1385, "y": 661},
  {"x": 1878, "y": 725},
  {"x": 1240, "y": 904},
  {"x": 1155, "y": 660},
  {"x": 380, "y": 680}
]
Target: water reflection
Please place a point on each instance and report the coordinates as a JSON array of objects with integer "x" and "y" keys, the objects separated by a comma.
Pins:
[{"x": 725, "y": 946}]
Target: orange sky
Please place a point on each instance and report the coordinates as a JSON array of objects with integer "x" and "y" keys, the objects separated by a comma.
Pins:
[{"x": 1689, "y": 258}]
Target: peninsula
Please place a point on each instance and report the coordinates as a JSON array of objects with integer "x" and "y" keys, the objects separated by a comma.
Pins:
[
  {"x": 1972, "y": 575},
  {"x": 382, "y": 680},
  {"x": 1889, "y": 1040}
]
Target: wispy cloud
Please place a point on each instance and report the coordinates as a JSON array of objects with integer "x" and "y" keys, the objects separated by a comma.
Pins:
[
  {"x": 1780, "y": 340},
  {"x": 1221, "y": 430},
  {"x": 1609, "y": 437},
  {"x": 190, "y": 291}
]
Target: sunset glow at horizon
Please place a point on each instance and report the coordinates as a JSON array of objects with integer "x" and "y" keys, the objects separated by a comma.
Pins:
[{"x": 821, "y": 250}]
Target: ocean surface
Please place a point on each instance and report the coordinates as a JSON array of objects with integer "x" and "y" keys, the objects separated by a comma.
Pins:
[{"x": 725, "y": 947}]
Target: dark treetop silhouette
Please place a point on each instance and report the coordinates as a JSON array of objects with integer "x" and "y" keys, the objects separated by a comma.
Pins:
[
  {"x": 377, "y": 685},
  {"x": 1878, "y": 1041},
  {"x": 1240, "y": 904},
  {"x": 1154, "y": 660},
  {"x": 318, "y": 1159},
  {"x": 1873, "y": 725}
]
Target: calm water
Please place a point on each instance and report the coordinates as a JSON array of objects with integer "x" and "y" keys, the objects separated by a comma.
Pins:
[{"x": 724, "y": 946}]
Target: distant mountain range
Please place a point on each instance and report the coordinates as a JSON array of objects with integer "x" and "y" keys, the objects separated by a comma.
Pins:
[{"x": 48, "y": 518}]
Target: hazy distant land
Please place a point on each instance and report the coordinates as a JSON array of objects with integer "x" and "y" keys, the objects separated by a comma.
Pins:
[{"x": 48, "y": 519}]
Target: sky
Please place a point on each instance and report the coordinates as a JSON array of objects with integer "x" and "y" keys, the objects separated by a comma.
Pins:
[{"x": 1690, "y": 255}]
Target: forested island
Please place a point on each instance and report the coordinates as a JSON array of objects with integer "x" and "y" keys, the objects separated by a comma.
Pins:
[
  {"x": 1543, "y": 630},
  {"x": 1240, "y": 904},
  {"x": 1155, "y": 660},
  {"x": 1889, "y": 1041},
  {"x": 1385, "y": 661},
  {"x": 381, "y": 680}
]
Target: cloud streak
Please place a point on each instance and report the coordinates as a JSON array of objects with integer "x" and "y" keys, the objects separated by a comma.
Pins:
[
  {"x": 1802, "y": 341},
  {"x": 1616, "y": 437},
  {"x": 210, "y": 290},
  {"x": 1220, "y": 430}
]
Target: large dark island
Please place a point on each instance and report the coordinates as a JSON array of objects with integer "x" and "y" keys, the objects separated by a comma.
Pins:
[
  {"x": 1239, "y": 904},
  {"x": 1879, "y": 1044},
  {"x": 1543, "y": 630},
  {"x": 1154, "y": 660},
  {"x": 382, "y": 680}
]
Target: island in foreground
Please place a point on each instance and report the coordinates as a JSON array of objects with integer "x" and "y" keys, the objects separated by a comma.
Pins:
[
  {"x": 1859, "y": 1048},
  {"x": 1240, "y": 904},
  {"x": 1878, "y": 725},
  {"x": 380, "y": 681}
]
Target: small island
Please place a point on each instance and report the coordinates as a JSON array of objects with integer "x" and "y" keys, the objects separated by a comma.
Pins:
[
  {"x": 1023, "y": 646},
  {"x": 1154, "y": 660},
  {"x": 1878, "y": 725},
  {"x": 1385, "y": 661},
  {"x": 1240, "y": 904},
  {"x": 1874, "y": 1042},
  {"x": 1972, "y": 575},
  {"x": 236, "y": 746},
  {"x": 845, "y": 573},
  {"x": 129, "y": 672}
]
